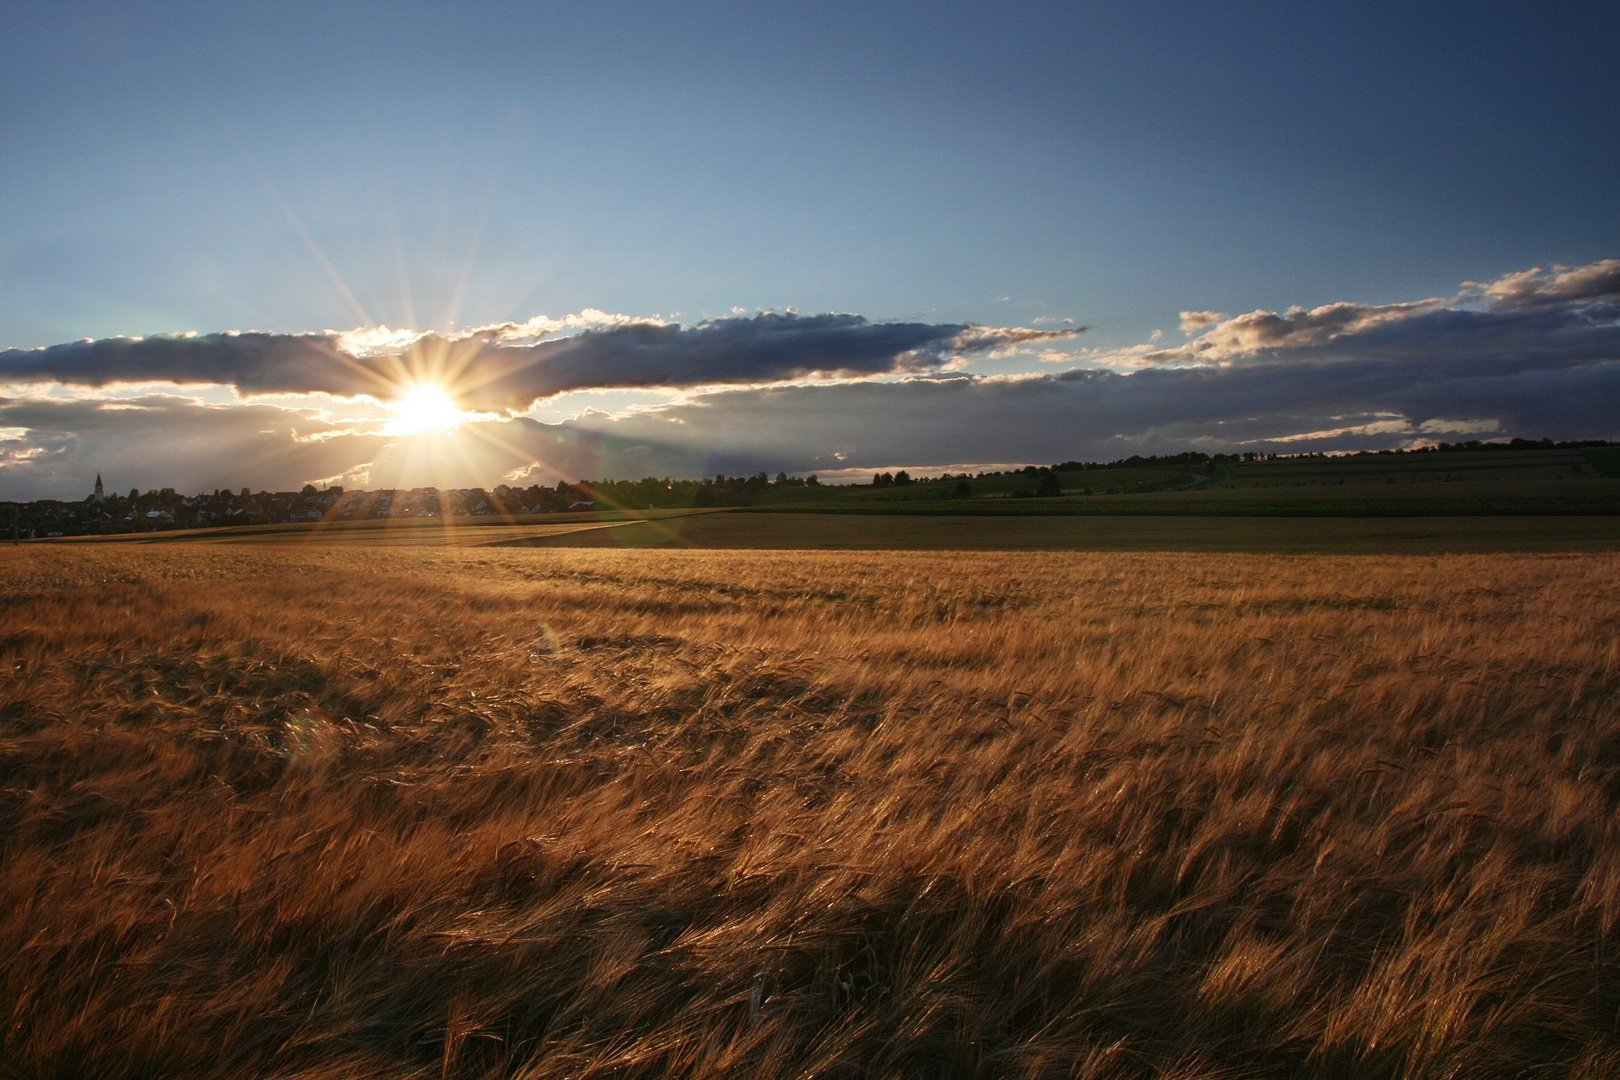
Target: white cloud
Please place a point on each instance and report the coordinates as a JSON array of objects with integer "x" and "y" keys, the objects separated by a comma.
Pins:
[
  {"x": 1401, "y": 426},
  {"x": 1459, "y": 427},
  {"x": 1594, "y": 282}
]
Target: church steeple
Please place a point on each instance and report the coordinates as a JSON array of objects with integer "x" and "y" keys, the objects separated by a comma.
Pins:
[{"x": 101, "y": 492}]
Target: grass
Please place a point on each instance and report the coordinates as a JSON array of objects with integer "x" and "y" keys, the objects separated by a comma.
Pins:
[{"x": 342, "y": 811}]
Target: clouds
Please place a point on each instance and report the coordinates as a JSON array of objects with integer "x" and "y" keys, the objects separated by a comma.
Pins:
[
  {"x": 56, "y": 447},
  {"x": 766, "y": 348},
  {"x": 493, "y": 369},
  {"x": 1533, "y": 354},
  {"x": 1247, "y": 336},
  {"x": 1196, "y": 322},
  {"x": 1569, "y": 315},
  {"x": 1103, "y": 415},
  {"x": 1595, "y": 282},
  {"x": 161, "y": 440}
]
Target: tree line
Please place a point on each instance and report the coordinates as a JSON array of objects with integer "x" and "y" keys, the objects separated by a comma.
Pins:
[{"x": 165, "y": 508}]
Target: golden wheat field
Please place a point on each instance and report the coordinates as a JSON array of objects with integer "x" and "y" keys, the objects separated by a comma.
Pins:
[{"x": 344, "y": 812}]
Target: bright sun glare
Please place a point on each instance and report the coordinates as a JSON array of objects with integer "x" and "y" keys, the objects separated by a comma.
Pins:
[{"x": 424, "y": 408}]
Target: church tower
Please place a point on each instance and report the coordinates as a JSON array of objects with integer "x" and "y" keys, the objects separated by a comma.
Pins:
[{"x": 101, "y": 492}]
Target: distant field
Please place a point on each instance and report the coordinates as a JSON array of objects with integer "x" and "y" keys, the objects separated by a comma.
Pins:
[
  {"x": 870, "y": 532},
  {"x": 352, "y": 811},
  {"x": 1594, "y": 497},
  {"x": 785, "y": 530},
  {"x": 1605, "y": 459},
  {"x": 391, "y": 532},
  {"x": 866, "y": 531},
  {"x": 1472, "y": 483},
  {"x": 1478, "y": 466}
]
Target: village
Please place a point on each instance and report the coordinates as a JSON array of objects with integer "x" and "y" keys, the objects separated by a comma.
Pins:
[{"x": 164, "y": 508}]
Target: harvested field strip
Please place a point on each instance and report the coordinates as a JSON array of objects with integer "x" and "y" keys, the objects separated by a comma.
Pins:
[
  {"x": 408, "y": 532},
  {"x": 843, "y": 532}
]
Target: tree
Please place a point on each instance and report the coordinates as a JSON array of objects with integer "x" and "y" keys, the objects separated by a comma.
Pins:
[
  {"x": 963, "y": 490},
  {"x": 1049, "y": 485}
]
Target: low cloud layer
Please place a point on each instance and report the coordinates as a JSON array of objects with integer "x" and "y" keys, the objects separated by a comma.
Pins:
[
  {"x": 1534, "y": 354},
  {"x": 486, "y": 370},
  {"x": 1103, "y": 415},
  {"x": 168, "y": 440}
]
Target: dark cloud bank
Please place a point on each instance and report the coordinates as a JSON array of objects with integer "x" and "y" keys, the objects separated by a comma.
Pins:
[
  {"x": 1534, "y": 354},
  {"x": 489, "y": 375}
]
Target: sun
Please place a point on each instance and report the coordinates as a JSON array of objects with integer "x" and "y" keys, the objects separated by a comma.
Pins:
[{"x": 424, "y": 408}]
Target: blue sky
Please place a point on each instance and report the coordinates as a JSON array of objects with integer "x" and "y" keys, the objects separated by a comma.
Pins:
[{"x": 292, "y": 168}]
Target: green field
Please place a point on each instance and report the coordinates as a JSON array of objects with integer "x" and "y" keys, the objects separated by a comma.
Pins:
[{"x": 1460, "y": 483}]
